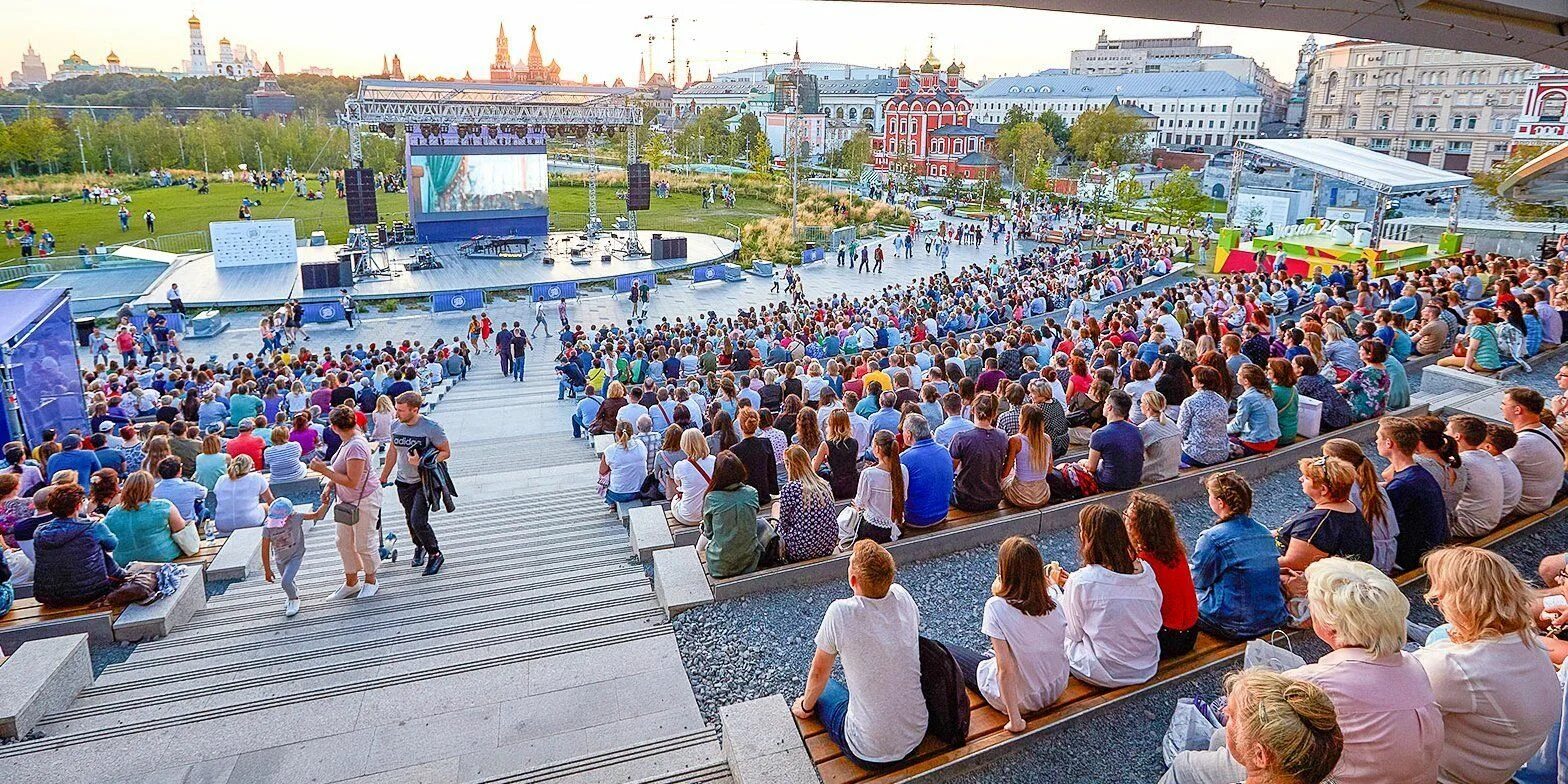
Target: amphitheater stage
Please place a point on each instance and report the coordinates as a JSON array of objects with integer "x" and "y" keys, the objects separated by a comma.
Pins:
[{"x": 204, "y": 284}]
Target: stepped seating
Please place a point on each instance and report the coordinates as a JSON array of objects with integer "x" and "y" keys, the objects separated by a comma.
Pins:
[
  {"x": 964, "y": 530},
  {"x": 987, "y": 726}
]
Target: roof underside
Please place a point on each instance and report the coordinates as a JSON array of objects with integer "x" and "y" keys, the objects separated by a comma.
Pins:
[
  {"x": 1356, "y": 165},
  {"x": 1543, "y": 180},
  {"x": 386, "y": 91},
  {"x": 1530, "y": 29}
]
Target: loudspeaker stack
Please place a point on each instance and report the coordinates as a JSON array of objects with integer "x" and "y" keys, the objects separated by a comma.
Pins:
[
  {"x": 638, "y": 180},
  {"x": 359, "y": 190}
]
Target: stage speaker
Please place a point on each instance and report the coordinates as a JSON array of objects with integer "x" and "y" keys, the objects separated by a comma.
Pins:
[
  {"x": 638, "y": 180},
  {"x": 359, "y": 191},
  {"x": 327, "y": 274}
]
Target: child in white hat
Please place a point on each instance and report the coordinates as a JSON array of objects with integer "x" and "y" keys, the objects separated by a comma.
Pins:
[{"x": 283, "y": 541}]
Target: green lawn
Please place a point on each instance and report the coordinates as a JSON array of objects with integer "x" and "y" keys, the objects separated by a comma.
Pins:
[{"x": 182, "y": 210}]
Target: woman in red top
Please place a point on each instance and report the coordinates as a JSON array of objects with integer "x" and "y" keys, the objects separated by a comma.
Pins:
[{"x": 1152, "y": 527}]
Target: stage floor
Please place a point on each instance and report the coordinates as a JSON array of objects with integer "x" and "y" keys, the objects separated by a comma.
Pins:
[{"x": 203, "y": 284}]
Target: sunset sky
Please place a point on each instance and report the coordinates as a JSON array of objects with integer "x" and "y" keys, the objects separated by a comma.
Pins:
[{"x": 592, "y": 36}]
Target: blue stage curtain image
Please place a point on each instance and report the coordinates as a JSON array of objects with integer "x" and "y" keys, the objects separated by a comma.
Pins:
[{"x": 440, "y": 170}]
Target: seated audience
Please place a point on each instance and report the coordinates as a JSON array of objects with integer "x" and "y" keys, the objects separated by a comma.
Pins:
[
  {"x": 1028, "y": 462},
  {"x": 1027, "y": 668},
  {"x": 1235, "y": 566},
  {"x": 1480, "y": 507},
  {"x": 692, "y": 476},
  {"x": 1332, "y": 527},
  {"x": 144, "y": 525},
  {"x": 1366, "y": 388},
  {"x": 930, "y": 470},
  {"x": 282, "y": 458},
  {"x": 1500, "y": 439},
  {"x": 1310, "y": 383},
  {"x": 1438, "y": 454},
  {"x": 624, "y": 465},
  {"x": 1282, "y": 729},
  {"x": 979, "y": 459},
  {"x": 1538, "y": 453},
  {"x": 1116, "y": 448},
  {"x": 804, "y": 512},
  {"x": 1416, "y": 498},
  {"x": 1112, "y": 604},
  {"x": 1255, "y": 428},
  {"x": 756, "y": 452},
  {"x": 840, "y": 452},
  {"x": 73, "y": 556},
  {"x": 1490, "y": 675},
  {"x": 1370, "y": 498},
  {"x": 242, "y": 496},
  {"x": 1387, "y": 712},
  {"x": 1151, "y": 526},
  {"x": 212, "y": 463},
  {"x": 1161, "y": 440},
  {"x": 1202, "y": 420},
  {"x": 1481, "y": 353},
  {"x": 878, "y": 508},
  {"x": 878, "y": 714},
  {"x": 1287, "y": 401},
  {"x": 733, "y": 535}
]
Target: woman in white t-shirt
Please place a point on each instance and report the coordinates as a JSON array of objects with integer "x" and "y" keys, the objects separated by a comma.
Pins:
[
  {"x": 242, "y": 496},
  {"x": 1112, "y": 604},
  {"x": 624, "y": 465},
  {"x": 692, "y": 477},
  {"x": 1027, "y": 670}
]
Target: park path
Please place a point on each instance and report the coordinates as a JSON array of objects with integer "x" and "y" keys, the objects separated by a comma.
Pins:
[{"x": 538, "y": 654}]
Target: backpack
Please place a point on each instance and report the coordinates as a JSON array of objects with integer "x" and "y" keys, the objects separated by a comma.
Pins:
[
  {"x": 947, "y": 699},
  {"x": 1511, "y": 341}
]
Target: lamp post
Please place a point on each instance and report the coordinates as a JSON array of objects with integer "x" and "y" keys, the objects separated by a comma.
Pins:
[{"x": 81, "y": 149}]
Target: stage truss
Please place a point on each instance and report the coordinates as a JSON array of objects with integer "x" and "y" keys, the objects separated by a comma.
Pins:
[{"x": 380, "y": 102}]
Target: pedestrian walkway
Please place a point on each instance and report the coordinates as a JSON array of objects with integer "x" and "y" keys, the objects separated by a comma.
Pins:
[{"x": 538, "y": 654}]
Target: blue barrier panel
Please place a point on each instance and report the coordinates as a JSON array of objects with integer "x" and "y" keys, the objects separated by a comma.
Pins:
[
  {"x": 449, "y": 301},
  {"x": 547, "y": 291},
  {"x": 707, "y": 273},
  {"x": 623, "y": 284},
  {"x": 175, "y": 321},
  {"x": 322, "y": 312}
]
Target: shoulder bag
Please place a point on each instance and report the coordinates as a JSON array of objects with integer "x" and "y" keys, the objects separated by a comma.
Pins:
[{"x": 346, "y": 513}]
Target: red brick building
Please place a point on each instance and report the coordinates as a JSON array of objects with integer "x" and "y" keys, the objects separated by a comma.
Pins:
[{"x": 927, "y": 120}]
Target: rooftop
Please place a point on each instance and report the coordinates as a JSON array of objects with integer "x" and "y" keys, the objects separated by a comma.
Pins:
[{"x": 1187, "y": 84}]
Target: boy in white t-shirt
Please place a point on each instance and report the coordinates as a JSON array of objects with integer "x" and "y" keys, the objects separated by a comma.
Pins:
[{"x": 880, "y": 717}]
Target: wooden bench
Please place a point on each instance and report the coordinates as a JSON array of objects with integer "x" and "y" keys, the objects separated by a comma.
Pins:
[{"x": 987, "y": 726}]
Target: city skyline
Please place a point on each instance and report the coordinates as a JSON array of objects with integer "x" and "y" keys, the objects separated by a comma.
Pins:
[{"x": 990, "y": 41}]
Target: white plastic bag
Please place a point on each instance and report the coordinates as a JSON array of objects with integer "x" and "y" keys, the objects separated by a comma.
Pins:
[
  {"x": 1265, "y": 654},
  {"x": 1192, "y": 726}
]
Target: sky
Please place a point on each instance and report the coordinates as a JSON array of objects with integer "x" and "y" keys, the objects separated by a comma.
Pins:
[{"x": 595, "y": 37}]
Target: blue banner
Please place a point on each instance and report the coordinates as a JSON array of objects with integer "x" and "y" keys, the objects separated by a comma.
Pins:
[
  {"x": 707, "y": 273},
  {"x": 548, "y": 291},
  {"x": 322, "y": 312},
  {"x": 623, "y": 284},
  {"x": 449, "y": 301}
]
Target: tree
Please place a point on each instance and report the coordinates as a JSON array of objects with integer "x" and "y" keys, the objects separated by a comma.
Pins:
[
  {"x": 1107, "y": 137},
  {"x": 1015, "y": 116},
  {"x": 1128, "y": 192},
  {"x": 747, "y": 129},
  {"x": 1056, "y": 125},
  {"x": 1489, "y": 181},
  {"x": 656, "y": 150},
  {"x": 705, "y": 134},
  {"x": 953, "y": 186},
  {"x": 35, "y": 141},
  {"x": 855, "y": 153},
  {"x": 987, "y": 186},
  {"x": 1025, "y": 144},
  {"x": 761, "y": 157},
  {"x": 1179, "y": 200},
  {"x": 905, "y": 178}
]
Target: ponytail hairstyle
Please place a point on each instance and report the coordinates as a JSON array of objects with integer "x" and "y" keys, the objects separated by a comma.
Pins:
[
  {"x": 240, "y": 466},
  {"x": 884, "y": 446},
  {"x": 623, "y": 434},
  {"x": 1293, "y": 720},
  {"x": 1435, "y": 437},
  {"x": 1366, "y": 477}
]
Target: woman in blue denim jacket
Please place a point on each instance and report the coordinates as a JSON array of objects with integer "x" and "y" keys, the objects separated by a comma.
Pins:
[
  {"x": 1235, "y": 566},
  {"x": 1255, "y": 428}
]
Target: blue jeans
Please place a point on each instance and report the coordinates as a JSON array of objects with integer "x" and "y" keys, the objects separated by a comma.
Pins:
[
  {"x": 612, "y": 498},
  {"x": 577, "y": 425},
  {"x": 517, "y": 367},
  {"x": 832, "y": 710}
]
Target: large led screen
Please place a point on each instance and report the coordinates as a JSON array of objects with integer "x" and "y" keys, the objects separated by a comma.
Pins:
[{"x": 468, "y": 184}]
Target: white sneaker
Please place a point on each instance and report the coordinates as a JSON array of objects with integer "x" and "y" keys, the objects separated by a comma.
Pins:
[
  {"x": 344, "y": 592},
  {"x": 368, "y": 590},
  {"x": 291, "y": 608}
]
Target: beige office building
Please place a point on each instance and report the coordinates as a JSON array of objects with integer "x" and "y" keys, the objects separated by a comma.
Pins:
[{"x": 1452, "y": 110}]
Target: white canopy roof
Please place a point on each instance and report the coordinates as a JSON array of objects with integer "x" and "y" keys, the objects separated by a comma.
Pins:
[{"x": 1356, "y": 165}]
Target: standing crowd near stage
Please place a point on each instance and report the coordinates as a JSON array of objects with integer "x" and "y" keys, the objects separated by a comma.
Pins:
[
  {"x": 176, "y": 449},
  {"x": 790, "y": 434}
]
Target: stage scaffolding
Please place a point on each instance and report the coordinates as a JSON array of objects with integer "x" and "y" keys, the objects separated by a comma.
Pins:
[{"x": 380, "y": 102}]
